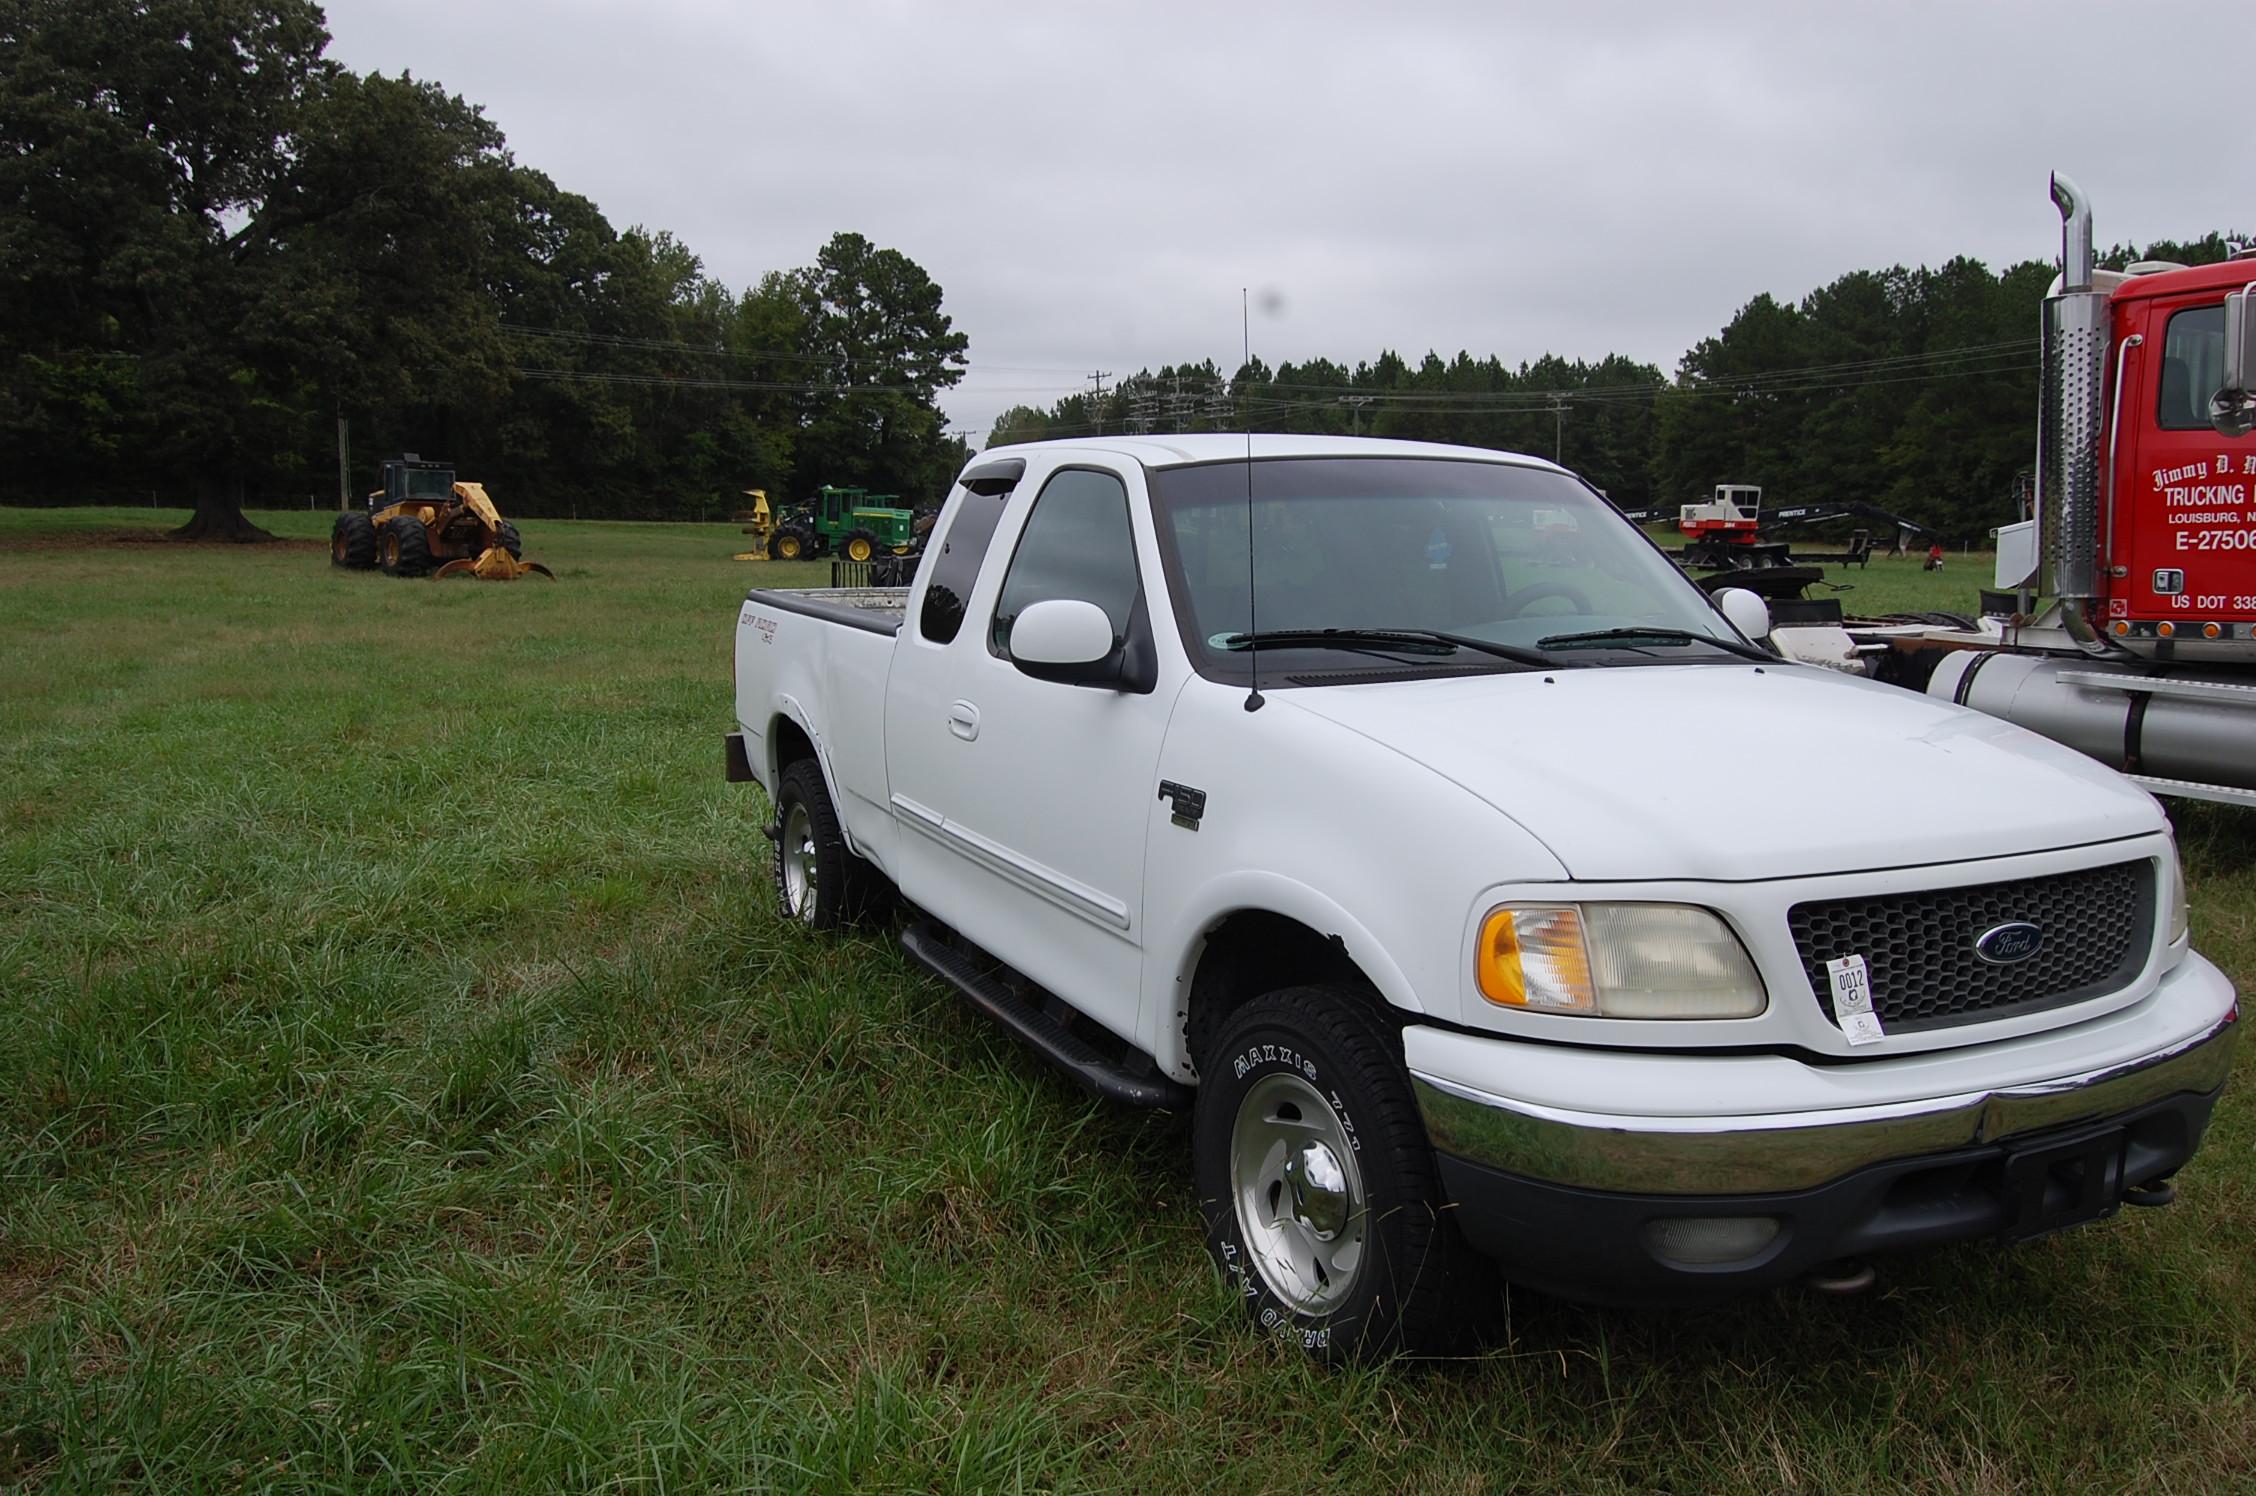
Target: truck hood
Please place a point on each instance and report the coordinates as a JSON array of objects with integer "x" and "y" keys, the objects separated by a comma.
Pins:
[{"x": 1738, "y": 772}]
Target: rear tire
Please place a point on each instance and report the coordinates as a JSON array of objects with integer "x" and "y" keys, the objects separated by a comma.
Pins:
[
  {"x": 352, "y": 541},
  {"x": 860, "y": 546},
  {"x": 505, "y": 536},
  {"x": 1323, "y": 1205},
  {"x": 819, "y": 882},
  {"x": 404, "y": 547}
]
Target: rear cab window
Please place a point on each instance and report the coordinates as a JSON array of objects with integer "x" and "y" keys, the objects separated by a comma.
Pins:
[{"x": 956, "y": 563}]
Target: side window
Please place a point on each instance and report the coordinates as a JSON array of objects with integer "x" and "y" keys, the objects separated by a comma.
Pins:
[
  {"x": 956, "y": 567},
  {"x": 1076, "y": 544},
  {"x": 2193, "y": 368}
]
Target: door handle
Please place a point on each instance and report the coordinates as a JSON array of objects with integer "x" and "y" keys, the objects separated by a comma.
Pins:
[{"x": 963, "y": 720}]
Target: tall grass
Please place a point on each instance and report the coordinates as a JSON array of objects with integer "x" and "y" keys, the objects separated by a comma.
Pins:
[{"x": 404, "y": 1082}]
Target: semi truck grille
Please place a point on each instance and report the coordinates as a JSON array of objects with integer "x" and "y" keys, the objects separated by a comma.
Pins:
[{"x": 1926, "y": 974}]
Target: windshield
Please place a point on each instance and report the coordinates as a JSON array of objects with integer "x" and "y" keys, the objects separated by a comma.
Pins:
[
  {"x": 1488, "y": 551},
  {"x": 430, "y": 483}
]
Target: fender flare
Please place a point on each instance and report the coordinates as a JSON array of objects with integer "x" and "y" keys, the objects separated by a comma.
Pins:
[
  {"x": 1260, "y": 890},
  {"x": 788, "y": 708}
]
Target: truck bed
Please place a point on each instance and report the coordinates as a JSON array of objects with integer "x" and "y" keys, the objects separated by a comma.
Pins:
[{"x": 877, "y": 609}]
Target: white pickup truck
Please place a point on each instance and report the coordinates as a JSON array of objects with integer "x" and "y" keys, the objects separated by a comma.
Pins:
[{"x": 1486, "y": 896}]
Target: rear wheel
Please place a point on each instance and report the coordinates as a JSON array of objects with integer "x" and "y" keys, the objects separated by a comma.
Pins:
[
  {"x": 860, "y": 545},
  {"x": 505, "y": 536},
  {"x": 1323, "y": 1205},
  {"x": 403, "y": 547},
  {"x": 352, "y": 541},
  {"x": 819, "y": 882}
]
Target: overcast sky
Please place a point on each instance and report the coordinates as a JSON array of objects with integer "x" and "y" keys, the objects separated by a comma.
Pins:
[{"x": 1091, "y": 185}]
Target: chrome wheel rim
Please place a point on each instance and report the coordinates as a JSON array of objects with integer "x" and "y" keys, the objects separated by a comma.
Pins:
[
  {"x": 1299, "y": 1193},
  {"x": 800, "y": 882}
]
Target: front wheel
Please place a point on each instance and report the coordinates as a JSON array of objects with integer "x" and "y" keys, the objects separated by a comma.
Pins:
[
  {"x": 1323, "y": 1206},
  {"x": 403, "y": 547}
]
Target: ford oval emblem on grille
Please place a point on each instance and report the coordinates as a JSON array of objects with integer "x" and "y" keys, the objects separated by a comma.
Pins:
[{"x": 2001, "y": 945}]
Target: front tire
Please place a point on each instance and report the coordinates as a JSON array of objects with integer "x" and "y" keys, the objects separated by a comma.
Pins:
[
  {"x": 404, "y": 547},
  {"x": 787, "y": 545},
  {"x": 1323, "y": 1206}
]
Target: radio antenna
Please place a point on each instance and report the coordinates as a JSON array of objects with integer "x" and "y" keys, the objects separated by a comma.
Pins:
[{"x": 1245, "y": 410}]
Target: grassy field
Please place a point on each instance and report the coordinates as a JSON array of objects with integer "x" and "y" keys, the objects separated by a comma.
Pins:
[{"x": 404, "y": 1082}]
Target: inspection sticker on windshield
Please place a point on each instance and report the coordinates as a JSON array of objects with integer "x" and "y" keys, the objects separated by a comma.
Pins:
[{"x": 1852, "y": 1000}]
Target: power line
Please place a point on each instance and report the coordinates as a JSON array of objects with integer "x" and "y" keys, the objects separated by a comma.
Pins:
[
  {"x": 773, "y": 386},
  {"x": 1538, "y": 401},
  {"x": 1937, "y": 356},
  {"x": 702, "y": 350}
]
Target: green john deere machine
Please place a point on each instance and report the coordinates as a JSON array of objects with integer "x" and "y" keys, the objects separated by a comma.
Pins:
[{"x": 850, "y": 522}]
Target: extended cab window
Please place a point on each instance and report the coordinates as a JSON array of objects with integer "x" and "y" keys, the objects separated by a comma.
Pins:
[
  {"x": 956, "y": 566},
  {"x": 1076, "y": 544},
  {"x": 2193, "y": 368}
]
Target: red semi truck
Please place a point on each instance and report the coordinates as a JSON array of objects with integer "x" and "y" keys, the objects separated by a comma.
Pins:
[{"x": 2143, "y": 546}]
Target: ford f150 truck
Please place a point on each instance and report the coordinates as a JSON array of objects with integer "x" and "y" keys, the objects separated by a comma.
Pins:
[{"x": 1358, "y": 797}]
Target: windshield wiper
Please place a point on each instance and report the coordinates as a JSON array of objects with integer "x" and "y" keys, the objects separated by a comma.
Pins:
[
  {"x": 1656, "y": 635},
  {"x": 1408, "y": 641}
]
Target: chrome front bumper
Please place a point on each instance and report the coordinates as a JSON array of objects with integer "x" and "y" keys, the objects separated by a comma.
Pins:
[{"x": 1762, "y": 1154}]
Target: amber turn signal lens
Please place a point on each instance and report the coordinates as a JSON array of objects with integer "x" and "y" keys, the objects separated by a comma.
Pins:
[{"x": 1538, "y": 947}]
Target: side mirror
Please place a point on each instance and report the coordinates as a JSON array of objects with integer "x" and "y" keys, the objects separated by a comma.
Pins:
[
  {"x": 1744, "y": 611},
  {"x": 2232, "y": 410},
  {"x": 1063, "y": 639}
]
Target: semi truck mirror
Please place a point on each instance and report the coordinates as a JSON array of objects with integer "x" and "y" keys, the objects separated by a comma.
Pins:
[
  {"x": 1745, "y": 610},
  {"x": 2232, "y": 410}
]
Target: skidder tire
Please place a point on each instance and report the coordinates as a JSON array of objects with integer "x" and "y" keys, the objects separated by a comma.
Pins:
[
  {"x": 819, "y": 882},
  {"x": 352, "y": 541},
  {"x": 860, "y": 546},
  {"x": 1323, "y": 1206},
  {"x": 787, "y": 545},
  {"x": 505, "y": 536},
  {"x": 404, "y": 547}
]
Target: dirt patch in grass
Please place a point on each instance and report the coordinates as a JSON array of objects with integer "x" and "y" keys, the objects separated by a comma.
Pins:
[{"x": 93, "y": 540}]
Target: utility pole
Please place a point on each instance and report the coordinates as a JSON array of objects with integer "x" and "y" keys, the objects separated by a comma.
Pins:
[
  {"x": 1355, "y": 404},
  {"x": 1559, "y": 428},
  {"x": 344, "y": 464},
  {"x": 1096, "y": 398}
]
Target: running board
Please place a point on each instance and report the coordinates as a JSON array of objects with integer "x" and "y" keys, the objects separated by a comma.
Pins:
[{"x": 1045, "y": 1034}]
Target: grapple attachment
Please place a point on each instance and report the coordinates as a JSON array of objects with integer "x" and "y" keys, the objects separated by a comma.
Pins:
[{"x": 493, "y": 564}]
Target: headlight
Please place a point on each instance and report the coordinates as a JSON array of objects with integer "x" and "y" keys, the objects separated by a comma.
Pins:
[
  {"x": 2180, "y": 919},
  {"x": 1616, "y": 961}
]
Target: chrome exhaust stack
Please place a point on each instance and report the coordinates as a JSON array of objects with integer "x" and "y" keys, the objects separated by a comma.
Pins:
[
  {"x": 2076, "y": 258},
  {"x": 2070, "y": 423}
]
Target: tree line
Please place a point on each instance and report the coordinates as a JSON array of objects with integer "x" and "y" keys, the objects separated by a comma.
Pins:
[
  {"x": 1912, "y": 389},
  {"x": 217, "y": 243}
]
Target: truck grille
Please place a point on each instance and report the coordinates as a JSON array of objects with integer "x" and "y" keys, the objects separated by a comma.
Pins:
[{"x": 1919, "y": 947}]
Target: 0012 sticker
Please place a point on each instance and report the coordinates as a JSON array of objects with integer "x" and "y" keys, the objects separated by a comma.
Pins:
[{"x": 1852, "y": 999}]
